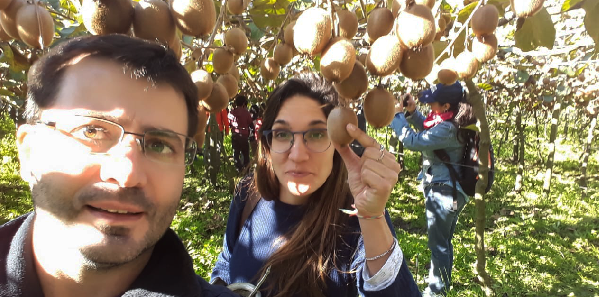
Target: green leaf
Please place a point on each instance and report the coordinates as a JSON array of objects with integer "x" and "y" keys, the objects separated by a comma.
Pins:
[
  {"x": 568, "y": 4},
  {"x": 521, "y": 76},
  {"x": 445, "y": 6},
  {"x": 4, "y": 92},
  {"x": 466, "y": 11},
  {"x": 255, "y": 32},
  {"x": 537, "y": 30},
  {"x": 269, "y": 13},
  {"x": 485, "y": 86},
  {"x": 567, "y": 71},
  {"x": 591, "y": 20}
]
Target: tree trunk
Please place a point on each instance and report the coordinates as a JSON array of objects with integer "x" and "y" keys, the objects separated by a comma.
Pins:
[
  {"x": 585, "y": 156},
  {"x": 557, "y": 108},
  {"x": 212, "y": 150},
  {"x": 516, "y": 149},
  {"x": 566, "y": 126},
  {"x": 478, "y": 107},
  {"x": 520, "y": 141}
]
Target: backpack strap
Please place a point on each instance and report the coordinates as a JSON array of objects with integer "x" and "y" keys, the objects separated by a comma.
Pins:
[
  {"x": 248, "y": 208},
  {"x": 442, "y": 154}
]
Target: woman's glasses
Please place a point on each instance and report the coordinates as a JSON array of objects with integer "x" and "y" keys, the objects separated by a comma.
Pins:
[{"x": 281, "y": 140}]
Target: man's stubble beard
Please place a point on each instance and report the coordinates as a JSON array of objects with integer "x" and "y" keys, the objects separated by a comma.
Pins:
[{"x": 51, "y": 200}]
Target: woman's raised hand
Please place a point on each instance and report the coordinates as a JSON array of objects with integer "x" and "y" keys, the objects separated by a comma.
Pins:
[{"x": 371, "y": 177}]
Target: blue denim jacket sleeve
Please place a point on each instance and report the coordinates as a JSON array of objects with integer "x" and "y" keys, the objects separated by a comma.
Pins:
[{"x": 441, "y": 136}]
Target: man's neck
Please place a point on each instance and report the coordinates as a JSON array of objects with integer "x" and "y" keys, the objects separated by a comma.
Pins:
[{"x": 61, "y": 271}]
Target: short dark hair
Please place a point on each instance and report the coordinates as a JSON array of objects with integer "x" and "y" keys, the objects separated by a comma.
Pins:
[
  {"x": 145, "y": 59},
  {"x": 241, "y": 100}
]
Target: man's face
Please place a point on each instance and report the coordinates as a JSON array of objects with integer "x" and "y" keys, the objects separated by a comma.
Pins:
[{"x": 110, "y": 207}]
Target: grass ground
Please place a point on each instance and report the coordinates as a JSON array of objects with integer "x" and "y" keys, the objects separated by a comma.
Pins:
[{"x": 536, "y": 245}]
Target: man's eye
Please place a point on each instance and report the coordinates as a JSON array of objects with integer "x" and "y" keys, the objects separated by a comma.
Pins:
[
  {"x": 91, "y": 132},
  {"x": 159, "y": 147}
]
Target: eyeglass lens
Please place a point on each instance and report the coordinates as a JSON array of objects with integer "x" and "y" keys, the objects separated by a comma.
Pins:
[
  {"x": 99, "y": 136},
  {"x": 316, "y": 140}
]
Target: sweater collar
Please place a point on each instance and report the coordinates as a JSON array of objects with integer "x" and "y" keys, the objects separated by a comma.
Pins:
[{"x": 169, "y": 272}]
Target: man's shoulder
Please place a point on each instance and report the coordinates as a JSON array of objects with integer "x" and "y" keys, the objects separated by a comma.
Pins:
[
  {"x": 9, "y": 229},
  {"x": 209, "y": 290}
]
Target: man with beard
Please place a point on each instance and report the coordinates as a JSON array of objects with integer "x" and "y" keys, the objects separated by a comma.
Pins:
[{"x": 104, "y": 150}]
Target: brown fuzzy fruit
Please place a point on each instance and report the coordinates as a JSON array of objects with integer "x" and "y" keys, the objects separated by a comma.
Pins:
[
  {"x": 283, "y": 53},
  {"x": 315, "y": 33},
  {"x": 526, "y": 8},
  {"x": 3, "y": 35},
  {"x": 234, "y": 71},
  {"x": 8, "y": 18},
  {"x": 222, "y": 60},
  {"x": 484, "y": 48},
  {"x": 384, "y": 56},
  {"x": 348, "y": 24},
  {"x": 270, "y": 69},
  {"x": 466, "y": 65},
  {"x": 355, "y": 85},
  {"x": 337, "y": 125},
  {"x": 194, "y": 17},
  {"x": 380, "y": 23},
  {"x": 236, "y": 38},
  {"x": 235, "y": 6},
  {"x": 153, "y": 21},
  {"x": 484, "y": 20},
  {"x": 102, "y": 17},
  {"x": 35, "y": 25},
  {"x": 337, "y": 59},
  {"x": 417, "y": 64},
  {"x": 288, "y": 34},
  {"x": 218, "y": 99},
  {"x": 441, "y": 25},
  {"x": 447, "y": 75},
  {"x": 379, "y": 108},
  {"x": 200, "y": 135},
  {"x": 230, "y": 84},
  {"x": 415, "y": 26},
  {"x": 203, "y": 81},
  {"x": 4, "y": 4}
]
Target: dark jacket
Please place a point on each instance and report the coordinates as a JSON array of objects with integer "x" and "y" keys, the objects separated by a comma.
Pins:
[{"x": 169, "y": 272}]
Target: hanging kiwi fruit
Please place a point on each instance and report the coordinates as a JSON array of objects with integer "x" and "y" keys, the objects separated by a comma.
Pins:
[
  {"x": 337, "y": 122},
  {"x": 102, "y": 17},
  {"x": 315, "y": 33},
  {"x": 337, "y": 59},
  {"x": 35, "y": 25},
  {"x": 203, "y": 81},
  {"x": 194, "y": 17},
  {"x": 379, "y": 107}
]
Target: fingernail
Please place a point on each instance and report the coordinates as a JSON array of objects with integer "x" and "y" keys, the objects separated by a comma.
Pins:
[{"x": 351, "y": 127}]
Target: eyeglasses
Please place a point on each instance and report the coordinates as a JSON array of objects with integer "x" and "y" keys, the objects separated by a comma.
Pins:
[
  {"x": 100, "y": 135},
  {"x": 281, "y": 140}
]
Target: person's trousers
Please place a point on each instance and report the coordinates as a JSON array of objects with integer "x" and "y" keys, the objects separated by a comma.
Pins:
[
  {"x": 241, "y": 151},
  {"x": 441, "y": 222}
]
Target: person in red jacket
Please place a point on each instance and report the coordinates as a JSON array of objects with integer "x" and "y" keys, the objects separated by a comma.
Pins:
[{"x": 241, "y": 122}]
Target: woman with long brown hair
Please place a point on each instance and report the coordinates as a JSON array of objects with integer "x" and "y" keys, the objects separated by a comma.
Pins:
[{"x": 294, "y": 227}]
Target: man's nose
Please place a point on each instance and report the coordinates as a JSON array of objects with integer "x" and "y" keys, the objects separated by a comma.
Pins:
[{"x": 125, "y": 164}]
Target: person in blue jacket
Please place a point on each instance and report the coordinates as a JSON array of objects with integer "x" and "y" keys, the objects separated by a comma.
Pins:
[
  {"x": 296, "y": 229},
  {"x": 437, "y": 131}
]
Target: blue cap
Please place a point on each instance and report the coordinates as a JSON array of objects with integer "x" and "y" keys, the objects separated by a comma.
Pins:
[{"x": 441, "y": 93}]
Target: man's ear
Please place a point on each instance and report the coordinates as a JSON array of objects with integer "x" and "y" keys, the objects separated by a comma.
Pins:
[{"x": 25, "y": 135}]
